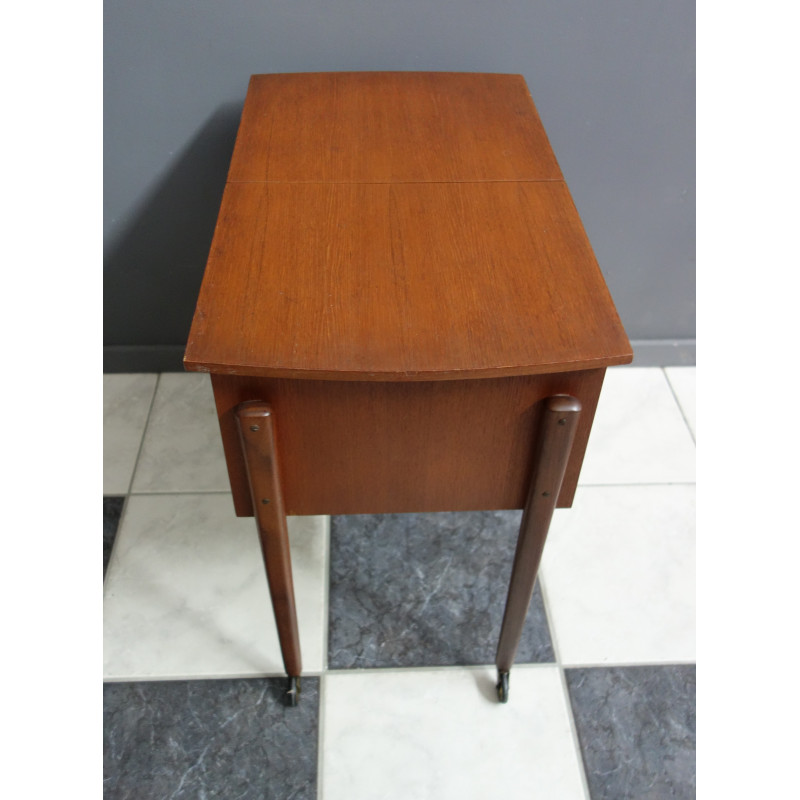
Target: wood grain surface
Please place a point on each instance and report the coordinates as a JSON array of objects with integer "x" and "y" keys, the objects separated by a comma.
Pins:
[
  {"x": 399, "y": 226},
  {"x": 391, "y": 126},
  {"x": 406, "y": 281},
  {"x": 371, "y": 447}
]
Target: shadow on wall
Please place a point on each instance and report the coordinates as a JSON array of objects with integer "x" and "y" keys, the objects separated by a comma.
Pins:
[{"x": 153, "y": 267}]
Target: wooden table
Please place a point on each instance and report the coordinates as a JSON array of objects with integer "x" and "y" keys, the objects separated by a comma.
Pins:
[{"x": 401, "y": 312}]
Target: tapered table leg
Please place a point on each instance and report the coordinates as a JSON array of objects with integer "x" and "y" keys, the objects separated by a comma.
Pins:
[
  {"x": 257, "y": 436},
  {"x": 556, "y": 434}
]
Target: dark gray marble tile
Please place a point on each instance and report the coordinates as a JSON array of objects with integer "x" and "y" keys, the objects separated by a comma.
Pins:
[
  {"x": 231, "y": 739},
  {"x": 425, "y": 590},
  {"x": 636, "y": 727},
  {"x": 112, "y": 508}
]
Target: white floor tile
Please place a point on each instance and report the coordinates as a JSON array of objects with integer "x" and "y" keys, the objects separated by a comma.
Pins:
[
  {"x": 442, "y": 734},
  {"x": 639, "y": 434},
  {"x": 186, "y": 594},
  {"x": 683, "y": 380},
  {"x": 619, "y": 575},
  {"x": 182, "y": 449},
  {"x": 126, "y": 401}
]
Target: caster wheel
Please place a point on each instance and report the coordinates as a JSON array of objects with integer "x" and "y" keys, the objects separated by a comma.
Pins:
[
  {"x": 502, "y": 687},
  {"x": 293, "y": 691}
]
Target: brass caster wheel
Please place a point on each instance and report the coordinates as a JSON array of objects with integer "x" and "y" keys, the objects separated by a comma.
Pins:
[
  {"x": 293, "y": 691},
  {"x": 502, "y": 687}
]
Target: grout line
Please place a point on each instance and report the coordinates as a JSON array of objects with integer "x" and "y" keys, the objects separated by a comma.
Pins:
[
  {"x": 363, "y": 671},
  {"x": 320, "y": 736},
  {"x": 573, "y": 728},
  {"x": 576, "y": 741},
  {"x": 177, "y": 493},
  {"x": 434, "y": 668},
  {"x": 548, "y": 615},
  {"x": 314, "y": 673},
  {"x": 237, "y": 676},
  {"x": 111, "y": 557},
  {"x": 144, "y": 433},
  {"x": 680, "y": 407},
  {"x": 521, "y": 667},
  {"x": 326, "y": 594},
  {"x": 631, "y": 664},
  {"x": 634, "y": 485}
]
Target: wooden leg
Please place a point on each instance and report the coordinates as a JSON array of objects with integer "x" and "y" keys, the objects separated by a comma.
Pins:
[
  {"x": 257, "y": 436},
  {"x": 556, "y": 433}
]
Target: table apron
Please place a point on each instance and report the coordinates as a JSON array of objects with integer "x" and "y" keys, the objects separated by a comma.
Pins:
[{"x": 353, "y": 447}]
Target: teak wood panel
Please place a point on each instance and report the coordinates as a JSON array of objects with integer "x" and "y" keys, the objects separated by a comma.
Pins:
[
  {"x": 383, "y": 126},
  {"x": 355, "y": 447},
  {"x": 402, "y": 282}
]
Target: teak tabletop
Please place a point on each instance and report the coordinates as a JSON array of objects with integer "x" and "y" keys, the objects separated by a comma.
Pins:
[
  {"x": 401, "y": 312},
  {"x": 398, "y": 226}
]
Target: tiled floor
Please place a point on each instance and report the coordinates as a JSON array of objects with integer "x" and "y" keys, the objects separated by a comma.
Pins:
[{"x": 398, "y": 625}]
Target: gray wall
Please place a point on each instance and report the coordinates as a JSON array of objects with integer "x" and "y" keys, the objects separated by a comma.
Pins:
[{"x": 613, "y": 82}]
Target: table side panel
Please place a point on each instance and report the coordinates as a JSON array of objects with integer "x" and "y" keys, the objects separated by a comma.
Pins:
[{"x": 350, "y": 447}]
